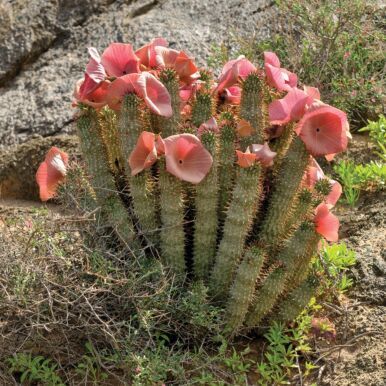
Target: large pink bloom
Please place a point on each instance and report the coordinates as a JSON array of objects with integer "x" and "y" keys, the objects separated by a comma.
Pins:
[
  {"x": 187, "y": 158},
  {"x": 315, "y": 173},
  {"x": 233, "y": 71},
  {"x": 147, "y": 54},
  {"x": 323, "y": 130},
  {"x": 147, "y": 87},
  {"x": 326, "y": 224},
  {"x": 184, "y": 65},
  {"x": 278, "y": 77},
  {"x": 290, "y": 108},
  {"x": 144, "y": 154},
  {"x": 51, "y": 172},
  {"x": 119, "y": 59},
  {"x": 96, "y": 98}
]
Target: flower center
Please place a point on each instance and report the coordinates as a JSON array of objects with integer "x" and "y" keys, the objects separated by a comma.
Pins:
[
  {"x": 180, "y": 161},
  {"x": 317, "y": 129}
]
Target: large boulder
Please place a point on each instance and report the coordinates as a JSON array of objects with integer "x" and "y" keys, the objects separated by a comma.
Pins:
[{"x": 43, "y": 47}]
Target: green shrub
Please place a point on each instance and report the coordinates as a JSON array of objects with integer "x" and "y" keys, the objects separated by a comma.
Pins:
[{"x": 377, "y": 133}]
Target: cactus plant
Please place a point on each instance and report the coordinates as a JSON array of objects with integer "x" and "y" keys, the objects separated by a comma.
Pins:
[{"x": 182, "y": 165}]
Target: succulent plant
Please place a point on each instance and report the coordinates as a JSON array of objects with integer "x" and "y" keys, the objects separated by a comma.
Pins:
[{"x": 217, "y": 177}]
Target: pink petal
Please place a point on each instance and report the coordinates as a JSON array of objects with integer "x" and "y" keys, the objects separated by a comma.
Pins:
[
  {"x": 97, "y": 98},
  {"x": 233, "y": 71},
  {"x": 263, "y": 154},
  {"x": 119, "y": 59},
  {"x": 165, "y": 57},
  {"x": 326, "y": 224},
  {"x": 147, "y": 54},
  {"x": 94, "y": 68},
  {"x": 144, "y": 154},
  {"x": 271, "y": 58},
  {"x": 85, "y": 87},
  {"x": 233, "y": 95},
  {"x": 186, "y": 69},
  {"x": 330, "y": 157},
  {"x": 154, "y": 93},
  {"x": 312, "y": 92},
  {"x": 119, "y": 88},
  {"x": 323, "y": 130},
  {"x": 187, "y": 158},
  {"x": 51, "y": 173},
  {"x": 245, "y": 160},
  {"x": 334, "y": 195},
  {"x": 209, "y": 126},
  {"x": 313, "y": 174}
]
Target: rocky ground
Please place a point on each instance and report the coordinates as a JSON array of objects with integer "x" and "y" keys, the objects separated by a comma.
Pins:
[{"x": 42, "y": 53}]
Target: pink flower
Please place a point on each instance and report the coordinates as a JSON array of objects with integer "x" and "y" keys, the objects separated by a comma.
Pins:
[
  {"x": 245, "y": 159},
  {"x": 315, "y": 173},
  {"x": 244, "y": 128},
  {"x": 94, "y": 68},
  {"x": 233, "y": 71},
  {"x": 182, "y": 63},
  {"x": 326, "y": 224},
  {"x": 187, "y": 158},
  {"x": 51, "y": 172},
  {"x": 147, "y": 87},
  {"x": 290, "y": 108},
  {"x": 147, "y": 53},
  {"x": 278, "y": 77},
  {"x": 144, "y": 154},
  {"x": 232, "y": 95},
  {"x": 323, "y": 130},
  {"x": 119, "y": 59},
  {"x": 96, "y": 98},
  {"x": 263, "y": 154},
  {"x": 209, "y": 126}
]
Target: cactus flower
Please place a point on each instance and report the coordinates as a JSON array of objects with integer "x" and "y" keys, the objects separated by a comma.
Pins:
[
  {"x": 245, "y": 159},
  {"x": 119, "y": 59},
  {"x": 232, "y": 95},
  {"x": 51, "y": 172},
  {"x": 147, "y": 53},
  {"x": 280, "y": 78},
  {"x": 144, "y": 154},
  {"x": 94, "y": 68},
  {"x": 146, "y": 86},
  {"x": 233, "y": 71},
  {"x": 323, "y": 130},
  {"x": 326, "y": 224},
  {"x": 96, "y": 98},
  {"x": 263, "y": 154},
  {"x": 209, "y": 126},
  {"x": 244, "y": 128},
  {"x": 187, "y": 158}
]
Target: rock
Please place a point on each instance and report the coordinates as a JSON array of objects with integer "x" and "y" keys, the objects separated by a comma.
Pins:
[{"x": 43, "y": 47}]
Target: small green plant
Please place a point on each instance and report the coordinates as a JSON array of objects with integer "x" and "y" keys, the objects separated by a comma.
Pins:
[
  {"x": 333, "y": 263},
  {"x": 356, "y": 178},
  {"x": 35, "y": 369},
  {"x": 377, "y": 133}
]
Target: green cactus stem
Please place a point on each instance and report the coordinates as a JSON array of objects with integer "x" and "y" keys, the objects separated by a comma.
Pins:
[
  {"x": 295, "y": 250},
  {"x": 281, "y": 145},
  {"x": 239, "y": 216},
  {"x": 266, "y": 296},
  {"x": 252, "y": 109},
  {"x": 141, "y": 185},
  {"x": 202, "y": 108},
  {"x": 295, "y": 301},
  {"x": 243, "y": 287},
  {"x": 102, "y": 180},
  {"x": 282, "y": 199},
  {"x": 206, "y": 222},
  {"x": 226, "y": 161}
]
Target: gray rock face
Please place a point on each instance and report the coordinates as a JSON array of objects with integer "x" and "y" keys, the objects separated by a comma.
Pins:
[{"x": 43, "y": 47}]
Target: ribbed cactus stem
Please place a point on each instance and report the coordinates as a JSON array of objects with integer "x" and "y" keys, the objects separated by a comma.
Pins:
[
  {"x": 241, "y": 211},
  {"x": 281, "y": 145},
  {"x": 102, "y": 180},
  {"x": 296, "y": 300},
  {"x": 202, "y": 108},
  {"x": 141, "y": 185},
  {"x": 282, "y": 199},
  {"x": 226, "y": 162},
  {"x": 243, "y": 287},
  {"x": 266, "y": 296},
  {"x": 296, "y": 249},
  {"x": 206, "y": 222},
  {"x": 170, "y": 126},
  {"x": 252, "y": 109},
  {"x": 172, "y": 218}
]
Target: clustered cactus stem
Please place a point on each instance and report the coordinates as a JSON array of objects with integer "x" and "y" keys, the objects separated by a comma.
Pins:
[{"x": 181, "y": 167}]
